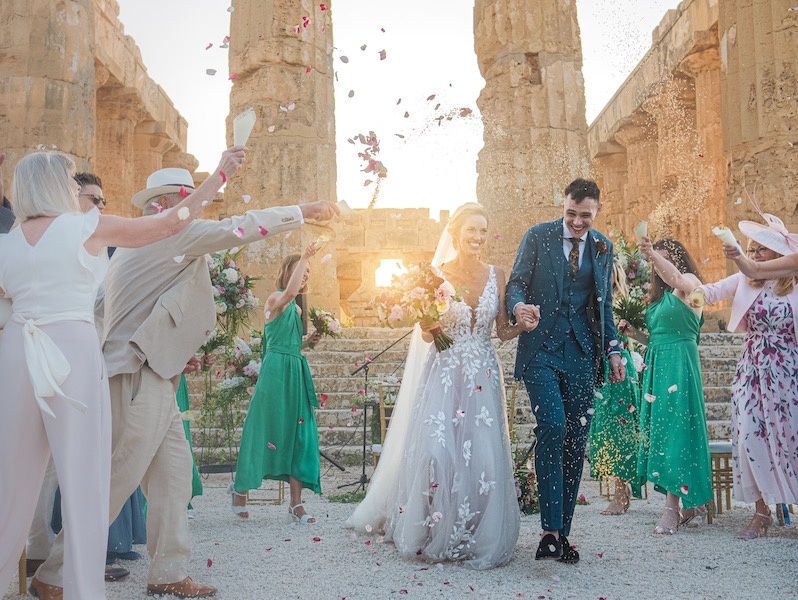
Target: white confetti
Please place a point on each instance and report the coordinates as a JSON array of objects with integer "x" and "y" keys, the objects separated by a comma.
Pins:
[
  {"x": 179, "y": 259},
  {"x": 210, "y": 71},
  {"x": 325, "y": 259},
  {"x": 246, "y": 198},
  {"x": 205, "y": 202},
  {"x": 591, "y": 411},
  {"x": 183, "y": 213},
  {"x": 271, "y": 128},
  {"x": 582, "y": 421},
  {"x": 231, "y": 9},
  {"x": 738, "y": 201},
  {"x": 267, "y": 314},
  {"x": 598, "y": 395}
]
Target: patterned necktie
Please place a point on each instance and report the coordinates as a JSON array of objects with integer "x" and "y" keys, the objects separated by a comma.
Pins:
[{"x": 573, "y": 256}]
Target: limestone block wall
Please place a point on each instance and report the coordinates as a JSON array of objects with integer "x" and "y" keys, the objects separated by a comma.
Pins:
[
  {"x": 71, "y": 78},
  {"x": 533, "y": 107}
]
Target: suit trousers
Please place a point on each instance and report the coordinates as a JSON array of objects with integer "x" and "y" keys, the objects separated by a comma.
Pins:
[
  {"x": 560, "y": 387},
  {"x": 80, "y": 444},
  {"x": 149, "y": 448}
]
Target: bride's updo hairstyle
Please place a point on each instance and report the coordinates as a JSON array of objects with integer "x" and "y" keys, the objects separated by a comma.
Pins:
[{"x": 456, "y": 221}]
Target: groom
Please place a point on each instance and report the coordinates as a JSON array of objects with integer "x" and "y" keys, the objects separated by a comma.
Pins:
[{"x": 563, "y": 277}]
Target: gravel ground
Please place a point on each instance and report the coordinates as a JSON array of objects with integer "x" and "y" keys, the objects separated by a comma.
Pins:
[{"x": 268, "y": 558}]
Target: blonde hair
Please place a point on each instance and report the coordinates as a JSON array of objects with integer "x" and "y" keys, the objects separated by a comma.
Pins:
[
  {"x": 620, "y": 285},
  {"x": 42, "y": 186},
  {"x": 783, "y": 286},
  {"x": 469, "y": 209},
  {"x": 284, "y": 273}
]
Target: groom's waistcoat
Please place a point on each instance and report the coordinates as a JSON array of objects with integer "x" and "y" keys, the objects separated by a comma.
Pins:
[{"x": 571, "y": 314}]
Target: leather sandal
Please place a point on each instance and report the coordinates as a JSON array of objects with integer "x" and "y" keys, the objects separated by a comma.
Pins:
[
  {"x": 239, "y": 511},
  {"x": 304, "y": 519}
]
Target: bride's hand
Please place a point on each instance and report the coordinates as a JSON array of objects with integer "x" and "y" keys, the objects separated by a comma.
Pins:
[{"x": 427, "y": 327}]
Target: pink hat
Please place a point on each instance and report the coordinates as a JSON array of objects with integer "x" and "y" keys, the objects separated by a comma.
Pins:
[{"x": 774, "y": 235}]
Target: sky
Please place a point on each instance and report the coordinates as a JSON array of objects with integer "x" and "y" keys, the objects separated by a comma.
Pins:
[{"x": 429, "y": 49}]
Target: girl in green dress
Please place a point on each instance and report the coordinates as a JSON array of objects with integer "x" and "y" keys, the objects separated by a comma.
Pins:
[
  {"x": 280, "y": 440},
  {"x": 674, "y": 446},
  {"x": 614, "y": 434}
]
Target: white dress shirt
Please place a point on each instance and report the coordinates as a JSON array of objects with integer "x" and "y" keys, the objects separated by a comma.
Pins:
[{"x": 566, "y": 243}]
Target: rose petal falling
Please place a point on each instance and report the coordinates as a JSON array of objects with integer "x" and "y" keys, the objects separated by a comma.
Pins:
[
  {"x": 383, "y": 55},
  {"x": 239, "y": 232},
  {"x": 684, "y": 489},
  {"x": 271, "y": 446},
  {"x": 649, "y": 397},
  {"x": 672, "y": 389},
  {"x": 344, "y": 59},
  {"x": 210, "y": 71},
  {"x": 262, "y": 230},
  {"x": 210, "y": 45}
]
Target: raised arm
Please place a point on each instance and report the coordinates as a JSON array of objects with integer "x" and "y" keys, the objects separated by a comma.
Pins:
[
  {"x": 786, "y": 266},
  {"x": 722, "y": 290},
  {"x": 277, "y": 302},
  {"x": 134, "y": 233},
  {"x": 684, "y": 283}
]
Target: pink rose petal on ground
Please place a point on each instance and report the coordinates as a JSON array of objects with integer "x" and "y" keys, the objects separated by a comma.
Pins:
[
  {"x": 239, "y": 232},
  {"x": 367, "y": 542},
  {"x": 271, "y": 446},
  {"x": 322, "y": 6},
  {"x": 210, "y": 563},
  {"x": 329, "y": 426},
  {"x": 262, "y": 230},
  {"x": 297, "y": 29},
  {"x": 316, "y": 539},
  {"x": 308, "y": 69}
]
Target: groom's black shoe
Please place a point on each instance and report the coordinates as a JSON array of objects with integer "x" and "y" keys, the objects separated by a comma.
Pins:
[
  {"x": 569, "y": 553},
  {"x": 549, "y": 547}
]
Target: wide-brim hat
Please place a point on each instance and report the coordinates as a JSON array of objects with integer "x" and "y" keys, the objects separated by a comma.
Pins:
[
  {"x": 163, "y": 181},
  {"x": 774, "y": 235}
]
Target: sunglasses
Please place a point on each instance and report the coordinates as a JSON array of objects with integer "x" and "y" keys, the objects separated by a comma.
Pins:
[{"x": 97, "y": 199}]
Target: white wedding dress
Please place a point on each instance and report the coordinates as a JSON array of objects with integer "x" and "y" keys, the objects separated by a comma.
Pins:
[{"x": 447, "y": 490}]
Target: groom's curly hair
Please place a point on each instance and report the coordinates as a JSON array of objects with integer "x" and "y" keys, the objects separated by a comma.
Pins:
[{"x": 579, "y": 189}]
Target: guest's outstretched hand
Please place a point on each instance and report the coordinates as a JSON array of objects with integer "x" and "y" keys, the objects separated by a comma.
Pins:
[
  {"x": 231, "y": 161},
  {"x": 731, "y": 252},
  {"x": 320, "y": 211},
  {"x": 310, "y": 251},
  {"x": 646, "y": 247}
]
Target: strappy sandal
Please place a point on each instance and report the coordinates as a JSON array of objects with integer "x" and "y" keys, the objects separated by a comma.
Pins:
[
  {"x": 239, "y": 511},
  {"x": 304, "y": 519},
  {"x": 662, "y": 529},
  {"x": 619, "y": 504},
  {"x": 765, "y": 521},
  {"x": 697, "y": 511}
]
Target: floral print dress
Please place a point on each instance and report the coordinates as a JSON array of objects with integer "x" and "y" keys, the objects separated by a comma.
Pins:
[
  {"x": 456, "y": 495},
  {"x": 765, "y": 404}
]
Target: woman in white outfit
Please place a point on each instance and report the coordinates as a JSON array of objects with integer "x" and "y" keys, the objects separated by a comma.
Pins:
[{"x": 55, "y": 392}]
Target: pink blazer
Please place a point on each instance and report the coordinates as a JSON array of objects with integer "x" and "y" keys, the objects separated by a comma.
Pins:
[{"x": 744, "y": 296}]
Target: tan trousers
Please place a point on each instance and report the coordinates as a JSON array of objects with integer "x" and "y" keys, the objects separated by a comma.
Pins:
[
  {"x": 150, "y": 448},
  {"x": 81, "y": 450}
]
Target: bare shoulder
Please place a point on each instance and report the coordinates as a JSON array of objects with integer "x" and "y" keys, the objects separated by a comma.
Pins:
[{"x": 501, "y": 278}]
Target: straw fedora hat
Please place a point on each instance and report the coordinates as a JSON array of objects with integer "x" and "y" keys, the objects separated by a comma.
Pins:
[
  {"x": 774, "y": 235},
  {"x": 163, "y": 181}
]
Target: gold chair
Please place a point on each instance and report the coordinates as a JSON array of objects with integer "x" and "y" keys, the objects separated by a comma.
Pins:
[
  {"x": 720, "y": 454},
  {"x": 780, "y": 515},
  {"x": 387, "y": 393}
]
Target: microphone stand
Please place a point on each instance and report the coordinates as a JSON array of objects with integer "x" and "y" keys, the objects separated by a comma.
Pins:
[{"x": 363, "y": 480}]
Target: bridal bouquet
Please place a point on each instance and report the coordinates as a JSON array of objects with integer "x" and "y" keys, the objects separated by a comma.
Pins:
[
  {"x": 324, "y": 322},
  {"x": 419, "y": 296}
]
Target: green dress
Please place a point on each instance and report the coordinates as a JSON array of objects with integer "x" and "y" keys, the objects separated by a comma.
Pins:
[
  {"x": 280, "y": 438},
  {"x": 614, "y": 432},
  {"x": 183, "y": 406},
  {"x": 674, "y": 446}
]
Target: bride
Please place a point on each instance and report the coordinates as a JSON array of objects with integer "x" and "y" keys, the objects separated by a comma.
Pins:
[{"x": 444, "y": 486}]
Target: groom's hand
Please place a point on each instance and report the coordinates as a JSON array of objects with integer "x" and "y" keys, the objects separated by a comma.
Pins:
[
  {"x": 526, "y": 315},
  {"x": 320, "y": 211},
  {"x": 617, "y": 370}
]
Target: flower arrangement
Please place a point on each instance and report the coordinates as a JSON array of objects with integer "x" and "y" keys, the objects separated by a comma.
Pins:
[
  {"x": 526, "y": 484},
  {"x": 632, "y": 308},
  {"x": 324, "y": 322},
  {"x": 420, "y": 295}
]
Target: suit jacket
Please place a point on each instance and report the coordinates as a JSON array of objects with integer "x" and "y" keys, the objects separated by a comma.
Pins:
[
  {"x": 158, "y": 310},
  {"x": 6, "y": 216},
  {"x": 744, "y": 294},
  {"x": 537, "y": 278}
]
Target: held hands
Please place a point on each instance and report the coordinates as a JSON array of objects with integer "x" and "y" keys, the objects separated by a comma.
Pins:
[
  {"x": 617, "y": 370},
  {"x": 527, "y": 316},
  {"x": 231, "y": 161},
  {"x": 320, "y": 211}
]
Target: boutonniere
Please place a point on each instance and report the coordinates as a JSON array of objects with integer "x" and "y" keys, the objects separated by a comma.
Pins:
[{"x": 601, "y": 247}]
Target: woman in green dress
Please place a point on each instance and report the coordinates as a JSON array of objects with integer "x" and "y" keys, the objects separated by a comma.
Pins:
[
  {"x": 614, "y": 433},
  {"x": 674, "y": 446},
  {"x": 280, "y": 440}
]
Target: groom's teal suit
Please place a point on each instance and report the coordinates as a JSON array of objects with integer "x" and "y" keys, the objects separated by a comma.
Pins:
[{"x": 562, "y": 360}]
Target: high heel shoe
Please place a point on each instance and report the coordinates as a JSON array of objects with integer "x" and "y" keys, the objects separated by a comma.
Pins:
[
  {"x": 662, "y": 529},
  {"x": 239, "y": 511},
  {"x": 619, "y": 504},
  {"x": 765, "y": 521},
  {"x": 697, "y": 511},
  {"x": 304, "y": 519}
]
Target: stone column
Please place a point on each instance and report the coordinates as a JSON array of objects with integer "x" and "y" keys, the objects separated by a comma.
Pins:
[
  {"x": 292, "y": 148},
  {"x": 759, "y": 94},
  {"x": 612, "y": 175},
  {"x": 642, "y": 188},
  {"x": 150, "y": 144},
  {"x": 704, "y": 67},
  {"x": 118, "y": 114},
  {"x": 533, "y": 107},
  {"x": 47, "y": 81}
]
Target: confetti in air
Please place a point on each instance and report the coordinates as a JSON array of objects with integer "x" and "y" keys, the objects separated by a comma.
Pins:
[{"x": 178, "y": 259}]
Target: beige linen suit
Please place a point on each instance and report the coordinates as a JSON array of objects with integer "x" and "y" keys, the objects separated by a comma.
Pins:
[{"x": 158, "y": 312}]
